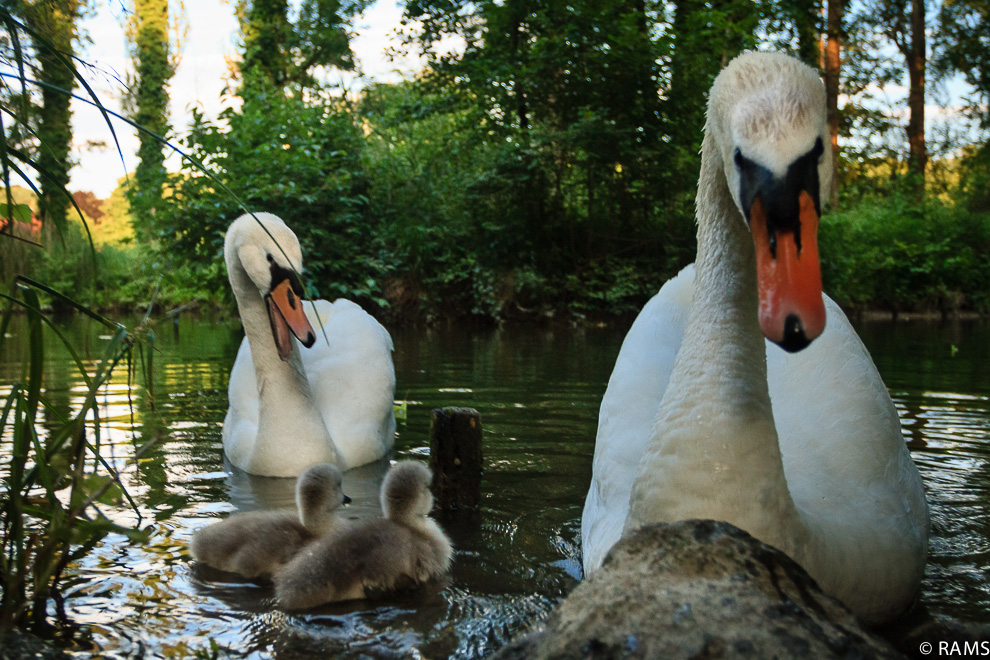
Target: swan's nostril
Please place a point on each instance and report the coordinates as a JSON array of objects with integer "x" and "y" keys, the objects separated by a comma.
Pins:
[{"x": 794, "y": 337}]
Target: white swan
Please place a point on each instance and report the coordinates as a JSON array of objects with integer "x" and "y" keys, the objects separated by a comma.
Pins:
[
  {"x": 328, "y": 400},
  {"x": 257, "y": 543},
  {"x": 404, "y": 549},
  {"x": 814, "y": 463}
]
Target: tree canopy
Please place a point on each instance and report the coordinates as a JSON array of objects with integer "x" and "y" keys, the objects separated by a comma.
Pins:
[{"x": 545, "y": 164}]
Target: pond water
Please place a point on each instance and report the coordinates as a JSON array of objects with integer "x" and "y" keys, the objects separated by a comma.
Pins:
[{"x": 538, "y": 392}]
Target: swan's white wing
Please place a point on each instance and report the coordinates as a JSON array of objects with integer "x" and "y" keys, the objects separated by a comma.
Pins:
[
  {"x": 629, "y": 409},
  {"x": 847, "y": 465},
  {"x": 353, "y": 380},
  {"x": 240, "y": 427}
]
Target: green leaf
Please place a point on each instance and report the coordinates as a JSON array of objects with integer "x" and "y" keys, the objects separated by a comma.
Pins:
[{"x": 18, "y": 212}]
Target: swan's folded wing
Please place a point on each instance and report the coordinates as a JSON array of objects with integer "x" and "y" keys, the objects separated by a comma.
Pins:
[
  {"x": 353, "y": 380},
  {"x": 240, "y": 427},
  {"x": 628, "y": 413}
]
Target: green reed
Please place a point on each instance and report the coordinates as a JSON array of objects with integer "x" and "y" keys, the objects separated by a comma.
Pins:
[{"x": 57, "y": 478}]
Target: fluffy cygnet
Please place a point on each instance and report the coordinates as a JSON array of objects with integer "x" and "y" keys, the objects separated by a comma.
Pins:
[
  {"x": 402, "y": 550},
  {"x": 257, "y": 543}
]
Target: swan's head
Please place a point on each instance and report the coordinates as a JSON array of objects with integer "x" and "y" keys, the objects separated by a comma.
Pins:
[
  {"x": 767, "y": 114},
  {"x": 319, "y": 492},
  {"x": 406, "y": 491},
  {"x": 268, "y": 253}
]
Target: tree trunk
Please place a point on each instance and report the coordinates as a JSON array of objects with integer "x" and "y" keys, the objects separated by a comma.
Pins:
[
  {"x": 833, "y": 64},
  {"x": 151, "y": 62},
  {"x": 56, "y": 22},
  {"x": 918, "y": 158},
  {"x": 518, "y": 41}
]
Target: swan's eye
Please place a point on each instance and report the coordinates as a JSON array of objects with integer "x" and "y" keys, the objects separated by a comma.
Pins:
[
  {"x": 739, "y": 159},
  {"x": 819, "y": 150}
]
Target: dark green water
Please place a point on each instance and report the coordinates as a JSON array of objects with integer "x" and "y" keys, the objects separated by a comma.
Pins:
[{"x": 538, "y": 392}]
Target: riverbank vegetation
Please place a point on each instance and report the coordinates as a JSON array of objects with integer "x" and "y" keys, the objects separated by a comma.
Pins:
[
  {"x": 544, "y": 168},
  {"x": 57, "y": 481}
]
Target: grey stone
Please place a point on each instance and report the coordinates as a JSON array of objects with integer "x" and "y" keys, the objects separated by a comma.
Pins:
[{"x": 698, "y": 589}]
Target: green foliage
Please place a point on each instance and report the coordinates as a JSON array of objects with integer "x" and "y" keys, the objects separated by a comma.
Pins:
[
  {"x": 493, "y": 228},
  {"x": 114, "y": 223},
  {"x": 897, "y": 254},
  {"x": 42, "y": 531},
  {"x": 297, "y": 159},
  {"x": 279, "y": 54},
  {"x": 149, "y": 36},
  {"x": 973, "y": 186},
  {"x": 547, "y": 142},
  {"x": 962, "y": 45}
]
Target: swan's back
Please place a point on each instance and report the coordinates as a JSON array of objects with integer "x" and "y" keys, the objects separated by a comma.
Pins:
[
  {"x": 353, "y": 379},
  {"x": 848, "y": 467}
]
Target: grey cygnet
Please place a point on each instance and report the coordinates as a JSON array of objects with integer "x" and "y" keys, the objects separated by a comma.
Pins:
[
  {"x": 401, "y": 550},
  {"x": 257, "y": 543}
]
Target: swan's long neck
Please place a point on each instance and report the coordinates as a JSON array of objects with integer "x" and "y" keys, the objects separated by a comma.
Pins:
[
  {"x": 714, "y": 442},
  {"x": 288, "y": 414}
]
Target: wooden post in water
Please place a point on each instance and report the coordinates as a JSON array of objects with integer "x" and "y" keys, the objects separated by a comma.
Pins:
[{"x": 455, "y": 457}]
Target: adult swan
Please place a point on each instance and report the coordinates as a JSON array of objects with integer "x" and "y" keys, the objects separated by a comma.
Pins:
[
  {"x": 326, "y": 401},
  {"x": 803, "y": 449}
]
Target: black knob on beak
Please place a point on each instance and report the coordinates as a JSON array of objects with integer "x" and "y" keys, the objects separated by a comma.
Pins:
[{"x": 794, "y": 338}]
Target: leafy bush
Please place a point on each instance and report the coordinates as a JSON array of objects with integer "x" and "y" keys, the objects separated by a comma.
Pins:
[
  {"x": 297, "y": 159},
  {"x": 902, "y": 255}
]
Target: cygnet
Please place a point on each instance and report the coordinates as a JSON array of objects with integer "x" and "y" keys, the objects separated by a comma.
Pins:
[
  {"x": 257, "y": 543},
  {"x": 402, "y": 550}
]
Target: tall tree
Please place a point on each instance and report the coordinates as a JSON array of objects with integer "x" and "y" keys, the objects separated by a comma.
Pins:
[
  {"x": 962, "y": 45},
  {"x": 154, "y": 67},
  {"x": 806, "y": 17},
  {"x": 265, "y": 29},
  {"x": 916, "y": 55},
  {"x": 903, "y": 22},
  {"x": 279, "y": 54},
  {"x": 833, "y": 64},
  {"x": 56, "y": 22}
]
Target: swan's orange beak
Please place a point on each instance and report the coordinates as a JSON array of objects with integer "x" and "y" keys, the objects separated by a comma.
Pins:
[
  {"x": 286, "y": 314},
  {"x": 789, "y": 276}
]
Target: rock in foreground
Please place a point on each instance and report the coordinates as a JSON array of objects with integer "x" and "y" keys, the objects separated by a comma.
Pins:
[{"x": 699, "y": 589}]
